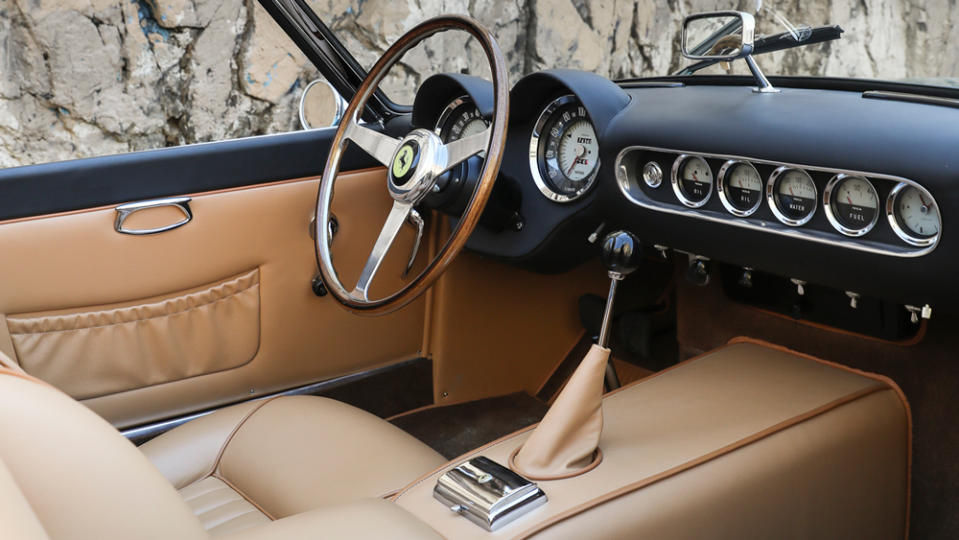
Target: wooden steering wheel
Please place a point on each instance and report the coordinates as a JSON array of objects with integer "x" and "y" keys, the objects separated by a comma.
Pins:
[{"x": 413, "y": 165}]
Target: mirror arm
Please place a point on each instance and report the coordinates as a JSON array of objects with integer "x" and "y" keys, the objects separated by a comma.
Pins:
[{"x": 777, "y": 42}]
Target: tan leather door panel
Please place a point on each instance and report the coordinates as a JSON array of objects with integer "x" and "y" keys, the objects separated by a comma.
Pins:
[{"x": 76, "y": 263}]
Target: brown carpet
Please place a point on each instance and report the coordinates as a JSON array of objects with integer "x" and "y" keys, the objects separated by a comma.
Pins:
[{"x": 453, "y": 430}]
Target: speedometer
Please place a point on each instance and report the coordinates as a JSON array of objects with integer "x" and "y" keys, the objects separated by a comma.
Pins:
[{"x": 564, "y": 151}]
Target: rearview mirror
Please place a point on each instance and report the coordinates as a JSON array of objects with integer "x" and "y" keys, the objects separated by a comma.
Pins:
[
  {"x": 719, "y": 35},
  {"x": 321, "y": 106}
]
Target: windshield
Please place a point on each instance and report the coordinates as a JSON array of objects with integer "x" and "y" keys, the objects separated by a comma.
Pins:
[{"x": 889, "y": 40}]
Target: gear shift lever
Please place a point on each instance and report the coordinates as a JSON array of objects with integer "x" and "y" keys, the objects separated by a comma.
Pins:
[
  {"x": 566, "y": 442},
  {"x": 621, "y": 255}
]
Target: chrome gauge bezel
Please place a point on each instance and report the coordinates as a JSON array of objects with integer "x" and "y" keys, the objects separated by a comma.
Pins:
[
  {"x": 534, "y": 158},
  {"x": 897, "y": 227},
  {"x": 449, "y": 110},
  {"x": 827, "y": 201},
  {"x": 774, "y": 204},
  {"x": 721, "y": 189},
  {"x": 678, "y": 189}
]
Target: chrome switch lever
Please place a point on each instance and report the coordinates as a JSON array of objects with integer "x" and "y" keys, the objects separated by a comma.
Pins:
[{"x": 416, "y": 220}]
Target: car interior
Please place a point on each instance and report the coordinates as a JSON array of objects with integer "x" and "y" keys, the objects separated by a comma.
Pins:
[{"x": 689, "y": 306}]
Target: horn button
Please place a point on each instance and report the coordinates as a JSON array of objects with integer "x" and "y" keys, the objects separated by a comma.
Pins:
[{"x": 415, "y": 166}]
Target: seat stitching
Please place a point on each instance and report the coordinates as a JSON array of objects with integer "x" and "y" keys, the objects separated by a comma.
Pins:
[
  {"x": 201, "y": 494},
  {"x": 220, "y": 504},
  {"x": 213, "y": 524},
  {"x": 703, "y": 459},
  {"x": 242, "y": 494},
  {"x": 226, "y": 442}
]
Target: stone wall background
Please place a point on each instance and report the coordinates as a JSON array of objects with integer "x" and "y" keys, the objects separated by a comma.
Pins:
[{"x": 93, "y": 77}]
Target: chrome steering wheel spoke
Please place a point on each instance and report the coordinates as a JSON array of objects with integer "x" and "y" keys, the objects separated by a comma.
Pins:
[
  {"x": 460, "y": 150},
  {"x": 380, "y": 146},
  {"x": 394, "y": 222}
]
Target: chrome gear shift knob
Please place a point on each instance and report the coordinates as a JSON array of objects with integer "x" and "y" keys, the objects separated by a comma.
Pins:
[{"x": 621, "y": 253}]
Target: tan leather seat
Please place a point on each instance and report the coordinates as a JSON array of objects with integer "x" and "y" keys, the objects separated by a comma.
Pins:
[
  {"x": 320, "y": 464},
  {"x": 245, "y": 465}
]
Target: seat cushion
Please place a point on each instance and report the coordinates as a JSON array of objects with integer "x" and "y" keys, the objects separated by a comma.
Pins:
[{"x": 285, "y": 456}]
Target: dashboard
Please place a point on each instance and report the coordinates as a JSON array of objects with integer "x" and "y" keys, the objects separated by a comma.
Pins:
[{"x": 819, "y": 185}]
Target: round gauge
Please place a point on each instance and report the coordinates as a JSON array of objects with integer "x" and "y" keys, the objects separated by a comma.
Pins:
[
  {"x": 740, "y": 187},
  {"x": 460, "y": 119},
  {"x": 564, "y": 151},
  {"x": 913, "y": 214},
  {"x": 692, "y": 180},
  {"x": 792, "y": 196},
  {"x": 852, "y": 204}
]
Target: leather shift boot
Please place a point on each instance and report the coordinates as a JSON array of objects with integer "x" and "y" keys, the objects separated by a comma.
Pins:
[{"x": 566, "y": 442}]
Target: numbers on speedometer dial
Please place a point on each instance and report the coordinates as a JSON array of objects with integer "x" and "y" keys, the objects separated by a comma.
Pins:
[
  {"x": 852, "y": 204},
  {"x": 792, "y": 196},
  {"x": 564, "y": 151}
]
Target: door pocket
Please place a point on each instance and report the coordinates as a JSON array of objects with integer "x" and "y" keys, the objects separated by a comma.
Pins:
[{"x": 98, "y": 350}]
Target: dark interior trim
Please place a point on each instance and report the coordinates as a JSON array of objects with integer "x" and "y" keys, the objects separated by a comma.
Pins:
[
  {"x": 48, "y": 188},
  {"x": 384, "y": 391}
]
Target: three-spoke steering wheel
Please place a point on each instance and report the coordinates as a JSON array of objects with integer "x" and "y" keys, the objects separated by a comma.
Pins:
[{"x": 413, "y": 165}]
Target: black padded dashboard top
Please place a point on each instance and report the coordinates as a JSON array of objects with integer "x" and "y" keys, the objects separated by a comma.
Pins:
[{"x": 820, "y": 128}]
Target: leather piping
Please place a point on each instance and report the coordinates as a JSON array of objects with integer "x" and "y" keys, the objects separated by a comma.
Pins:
[
  {"x": 645, "y": 482},
  {"x": 890, "y": 384},
  {"x": 888, "y": 381},
  {"x": 219, "y": 455},
  {"x": 241, "y": 494}
]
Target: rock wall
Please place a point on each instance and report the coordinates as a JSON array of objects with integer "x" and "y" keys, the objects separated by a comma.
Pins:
[{"x": 92, "y": 77}]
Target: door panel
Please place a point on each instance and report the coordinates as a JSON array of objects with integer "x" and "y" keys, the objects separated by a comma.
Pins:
[{"x": 76, "y": 261}]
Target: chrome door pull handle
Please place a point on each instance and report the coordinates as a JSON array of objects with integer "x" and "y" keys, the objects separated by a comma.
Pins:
[{"x": 126, "y": 210}]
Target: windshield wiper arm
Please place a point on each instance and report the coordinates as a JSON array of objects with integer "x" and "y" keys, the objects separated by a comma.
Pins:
[{"x": 777, "y": 42}]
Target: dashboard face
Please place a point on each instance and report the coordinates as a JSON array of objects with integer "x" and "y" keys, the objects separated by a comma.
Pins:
[{"x": 815, "y": 184}]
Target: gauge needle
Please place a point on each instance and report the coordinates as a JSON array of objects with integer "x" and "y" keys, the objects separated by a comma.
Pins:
[
  {"x": 580, "y": 150},
  {"x": 791, "y": 192},
  {"x": 849, "y": 199},
  {"x": 921, "y": 199}
]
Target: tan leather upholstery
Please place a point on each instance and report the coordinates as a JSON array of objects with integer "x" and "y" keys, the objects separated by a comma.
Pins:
[
  {"x": 80, "y": 477},
  {"x": 745, "y": 441},
  {"x": 366, "y": 519},
  {"x": 303, "y": 339},
  {"x": 565, "y": 442},
  {"x": 286, "y": 456},
  {"x": 65, "y": 473}
]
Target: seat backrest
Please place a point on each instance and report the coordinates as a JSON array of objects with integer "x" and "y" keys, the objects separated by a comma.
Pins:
[{"x": 74, "y": 475}]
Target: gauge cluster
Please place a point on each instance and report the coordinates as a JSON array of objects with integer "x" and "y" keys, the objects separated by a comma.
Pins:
[{"x": 871, "y": 212}]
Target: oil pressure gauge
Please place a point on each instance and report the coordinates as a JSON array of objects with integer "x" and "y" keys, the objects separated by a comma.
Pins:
[
  {"x": 740, "y": 187},
  {"x": 692, "y": 180},
  {"x": 852, "y": 204},
  {"x": 792, "y": 196},
  {"x": 913, "y": 215}
]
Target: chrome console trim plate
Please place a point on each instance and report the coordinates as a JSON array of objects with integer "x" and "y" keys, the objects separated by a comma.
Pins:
[{"x": 487, "y": 493}]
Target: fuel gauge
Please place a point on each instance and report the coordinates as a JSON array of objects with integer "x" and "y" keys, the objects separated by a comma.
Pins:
[{"x": 852, "y": 204}]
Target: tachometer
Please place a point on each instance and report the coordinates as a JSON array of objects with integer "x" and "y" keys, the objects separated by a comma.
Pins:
[
  {"x": 460, "y": 119},
  {"x": 852, "y": 204},
  {"x": 740, "y": 187},
  {"x": 692, "y": 180},
  {"x": 564, "y": 151},
  {"x": 913, "y": 214},
  {"x": 792, "y": 196}
]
